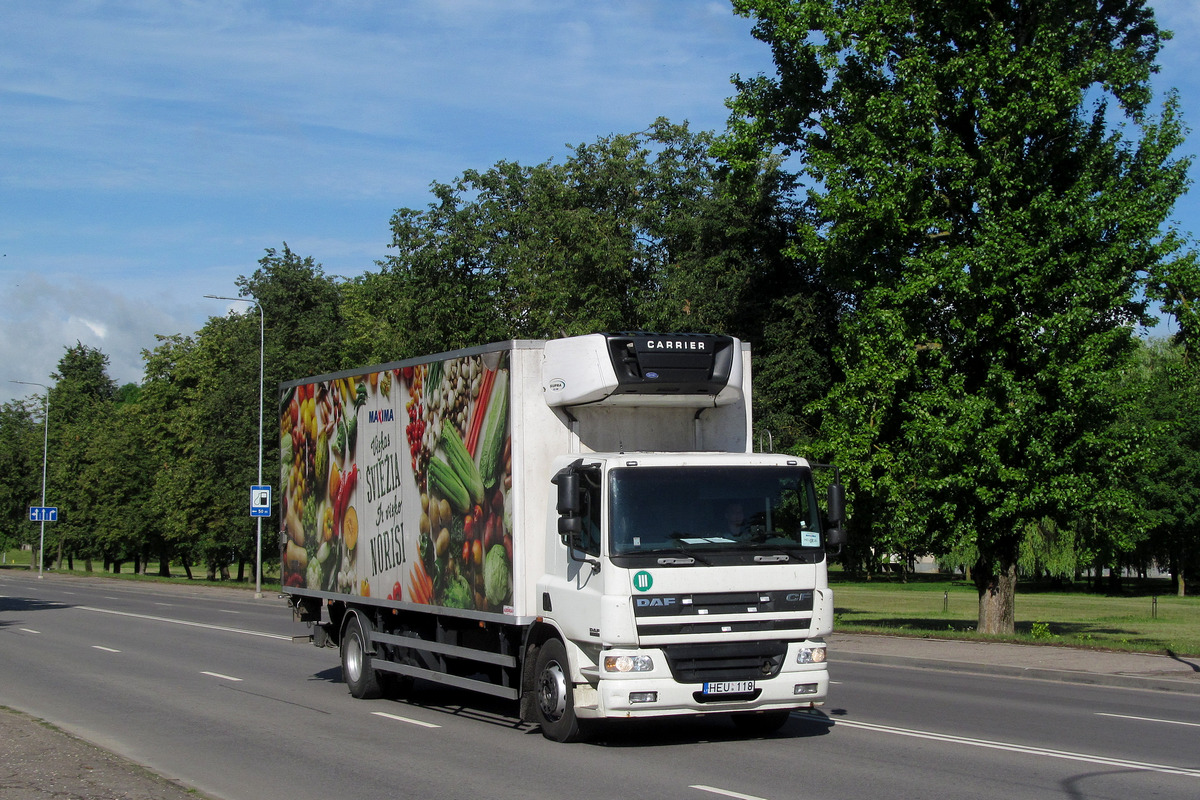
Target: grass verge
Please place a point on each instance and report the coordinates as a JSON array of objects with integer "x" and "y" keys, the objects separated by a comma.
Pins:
[
  {"x": 1139, "y": 621},
  {"x": 17, "y": 559}
]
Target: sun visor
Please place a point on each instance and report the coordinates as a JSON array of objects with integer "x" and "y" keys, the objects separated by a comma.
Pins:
[{"x": 690, "y": 370}]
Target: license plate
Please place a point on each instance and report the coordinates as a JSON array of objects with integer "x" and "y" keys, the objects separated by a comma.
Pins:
[{"x": 728, "y": 687}]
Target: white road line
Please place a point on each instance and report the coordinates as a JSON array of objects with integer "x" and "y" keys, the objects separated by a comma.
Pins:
[
  {"x": 1043, "y": 752},
  {"x": 29, "y": 630},
  {"x": 1150, "y": 719},
  {"x": 186, "y": 622},
  {"x": 724, "y": 792},
  {"x": 105, "y": 649},
  {"x": 409, "y": 720},
  {"x": 222, "y": 677}
]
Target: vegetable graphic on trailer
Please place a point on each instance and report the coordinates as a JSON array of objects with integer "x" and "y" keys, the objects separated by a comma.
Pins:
[{"x": 415, "y": 457}]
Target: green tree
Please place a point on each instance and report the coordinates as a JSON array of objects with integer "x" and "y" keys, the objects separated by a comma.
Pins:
[
  {"x": 115, "y": 485},
  {"x": 21, "y": 441},
  {"x": 224, "y": 420},
  {"x": 168, "y": 413},
  {"x": 302, "y": 315},
  {"x": 1169, "y": 486},
  {"x": 634, "y": 231},
  {"x": 81, "y": 401},
  {"x": 986, "y": 190}
]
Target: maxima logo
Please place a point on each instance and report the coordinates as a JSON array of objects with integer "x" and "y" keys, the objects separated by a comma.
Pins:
[
  {"x": 382, "y": 415},
  {"x": 642, "y": 581}
]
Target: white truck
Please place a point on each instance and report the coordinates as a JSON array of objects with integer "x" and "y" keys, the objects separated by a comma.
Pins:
[{"x": 580, "y": 525}]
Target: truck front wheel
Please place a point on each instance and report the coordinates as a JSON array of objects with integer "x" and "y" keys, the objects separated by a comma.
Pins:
[
  {"x": 360, "y": 677},
  {"x": 555, "y": 697}
]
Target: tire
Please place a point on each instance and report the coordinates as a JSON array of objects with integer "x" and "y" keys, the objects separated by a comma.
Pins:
[
  {"x": 760, "y": 723},
  {"x": 361, "y": 678},
  {"x": 554, "y": 696}
]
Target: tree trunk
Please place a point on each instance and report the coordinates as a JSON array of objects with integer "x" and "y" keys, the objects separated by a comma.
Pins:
[
  {"x": 1114, "y": 578},
  {"x": 997, "y": 599}
]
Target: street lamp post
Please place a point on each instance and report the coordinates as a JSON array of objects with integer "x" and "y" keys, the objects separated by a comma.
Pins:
[
  {"x": 261, "y": 340},
  {"x": 45, "y": 452}
]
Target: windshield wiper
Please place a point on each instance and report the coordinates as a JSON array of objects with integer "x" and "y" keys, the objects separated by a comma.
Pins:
[{"x": 691, "y": 555}]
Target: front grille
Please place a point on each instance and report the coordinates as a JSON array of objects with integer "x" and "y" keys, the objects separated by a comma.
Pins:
[
  {"x": 702, "y": 628},
  {"x": 782, "y": 613},
  {"x": 736, "y": 661},
  {"x": 678, "y": 605}
]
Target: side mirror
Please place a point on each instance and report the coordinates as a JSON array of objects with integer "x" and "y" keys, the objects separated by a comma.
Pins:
[
  {"x": 835, "y": 536},
  {"x": 568, "y": 493},
  {"x": 570, "y": 523},
  {"x": 569, "y": 527}
]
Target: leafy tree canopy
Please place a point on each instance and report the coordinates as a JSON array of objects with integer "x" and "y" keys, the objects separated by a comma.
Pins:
[{"x": 986, "y": 191}]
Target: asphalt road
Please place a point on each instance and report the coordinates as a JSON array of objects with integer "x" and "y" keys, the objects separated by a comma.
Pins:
[{"x": 206, "y": 687}]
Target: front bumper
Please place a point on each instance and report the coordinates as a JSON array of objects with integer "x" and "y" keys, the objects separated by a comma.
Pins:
[{"x": 658, "y": 694}]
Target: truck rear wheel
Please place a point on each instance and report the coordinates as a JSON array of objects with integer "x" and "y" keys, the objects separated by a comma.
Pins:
[
  {"x": 360, "y": 676},
  {"x": 555, "y": 697}
]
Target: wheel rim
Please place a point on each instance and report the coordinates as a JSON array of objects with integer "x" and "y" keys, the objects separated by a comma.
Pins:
[
  {"x": 354, "y": 657},
  {"x": 553, "y": 695}
]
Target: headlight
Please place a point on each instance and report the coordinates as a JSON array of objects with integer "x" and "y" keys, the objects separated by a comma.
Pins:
[
  {"x": 811, "y": 655},
  {"x": 628, "y": 664}
]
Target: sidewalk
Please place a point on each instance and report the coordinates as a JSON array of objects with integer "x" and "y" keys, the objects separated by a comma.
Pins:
[
  {"x": 1044, "y": 662},
  {"x": 41, "y": 762}
]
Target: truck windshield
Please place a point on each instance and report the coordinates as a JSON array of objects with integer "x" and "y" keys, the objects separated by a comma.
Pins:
[{"x": 705, "y": 510}]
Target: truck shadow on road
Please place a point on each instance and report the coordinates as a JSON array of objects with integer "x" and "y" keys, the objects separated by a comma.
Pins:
[
  {"x": 679, "y": 731},
  {"x": 19, "y": 605},
  {"x": 673, "y": 731}
]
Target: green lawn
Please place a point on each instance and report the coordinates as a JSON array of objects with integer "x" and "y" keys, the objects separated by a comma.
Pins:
[
  {"x": 949, "y": 609},
  {"x": 15, "y": 559}
]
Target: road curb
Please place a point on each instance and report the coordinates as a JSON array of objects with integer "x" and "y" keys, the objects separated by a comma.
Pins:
[{"x": 1147, "y": 682}]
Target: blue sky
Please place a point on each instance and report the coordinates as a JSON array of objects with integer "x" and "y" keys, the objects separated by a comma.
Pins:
[{"x": 151, "y": 151}]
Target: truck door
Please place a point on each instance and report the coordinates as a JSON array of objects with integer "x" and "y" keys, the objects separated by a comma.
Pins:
[{"x": 573, "y": 584}]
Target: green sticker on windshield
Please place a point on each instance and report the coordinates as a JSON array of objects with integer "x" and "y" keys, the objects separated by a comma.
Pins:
[{"x": 642, "y": 581}]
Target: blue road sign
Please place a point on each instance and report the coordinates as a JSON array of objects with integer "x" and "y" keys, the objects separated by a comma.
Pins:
[
  {"x": 260, "y": 501},
  {"x": 43, "y": 513}
]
